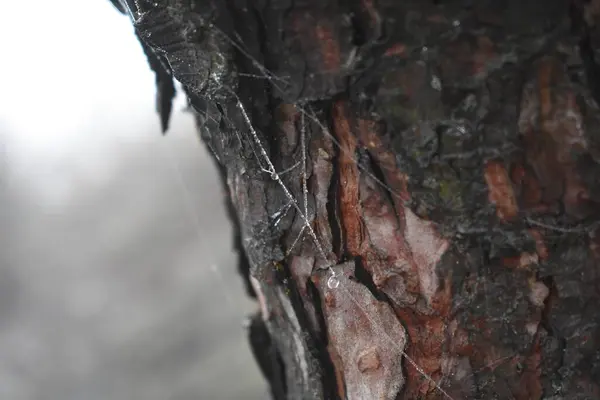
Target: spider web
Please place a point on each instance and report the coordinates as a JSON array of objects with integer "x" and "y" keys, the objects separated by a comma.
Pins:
[
  {"x": 266, "y": 164},
  {"x": 333, "y": 282}
]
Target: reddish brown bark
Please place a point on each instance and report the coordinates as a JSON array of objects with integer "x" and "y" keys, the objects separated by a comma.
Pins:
[{"x": 453, "y": 164}]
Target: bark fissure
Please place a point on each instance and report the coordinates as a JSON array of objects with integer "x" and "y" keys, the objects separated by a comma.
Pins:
[{"x": 333, "y": 208}]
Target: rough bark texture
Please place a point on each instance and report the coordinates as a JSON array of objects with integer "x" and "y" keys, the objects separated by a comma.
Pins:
[{"x": 453, "y": 177}]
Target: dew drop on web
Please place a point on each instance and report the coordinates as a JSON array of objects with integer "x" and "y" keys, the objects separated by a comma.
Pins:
[{"x": 333, "y": 282}]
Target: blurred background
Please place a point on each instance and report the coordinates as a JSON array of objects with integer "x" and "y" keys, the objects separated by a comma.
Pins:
[{"x": 117, "y": 279}]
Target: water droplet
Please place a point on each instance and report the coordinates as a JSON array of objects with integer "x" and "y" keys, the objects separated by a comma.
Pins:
[{"x": 333, "y": 282}]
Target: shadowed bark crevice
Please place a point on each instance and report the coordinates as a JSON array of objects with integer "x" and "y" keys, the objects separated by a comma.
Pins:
[
  {"x": 321, "y": 342},
  {"x": 267, "y": 356},
  {"x": 364, "y": 277}
]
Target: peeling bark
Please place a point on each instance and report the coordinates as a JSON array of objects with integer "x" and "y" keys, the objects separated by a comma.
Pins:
[
  {"x": 452, "y": 181},
  {"x": 368, "y": 351}
]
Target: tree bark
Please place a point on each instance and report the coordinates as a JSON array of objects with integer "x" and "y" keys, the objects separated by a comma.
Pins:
[{"x": 450, "y": 152}]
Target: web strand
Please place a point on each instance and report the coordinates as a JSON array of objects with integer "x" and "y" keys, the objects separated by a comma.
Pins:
[
  {"x": 190, "y": 209},
  {"x": 277, "y": 178},
  {"x": 304, "y": 178}
]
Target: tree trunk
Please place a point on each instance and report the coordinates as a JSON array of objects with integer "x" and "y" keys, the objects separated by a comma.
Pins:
[{"x": 416, "y": 185}]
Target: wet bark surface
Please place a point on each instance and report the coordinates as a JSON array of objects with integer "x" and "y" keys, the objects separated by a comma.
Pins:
[{"x": 452, "y": 171}]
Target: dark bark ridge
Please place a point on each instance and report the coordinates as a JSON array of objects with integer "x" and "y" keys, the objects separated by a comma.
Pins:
[{"x": 453, "y": 183}]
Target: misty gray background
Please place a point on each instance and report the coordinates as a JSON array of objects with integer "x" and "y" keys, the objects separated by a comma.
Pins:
[{"x": 117, "y": 279}]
